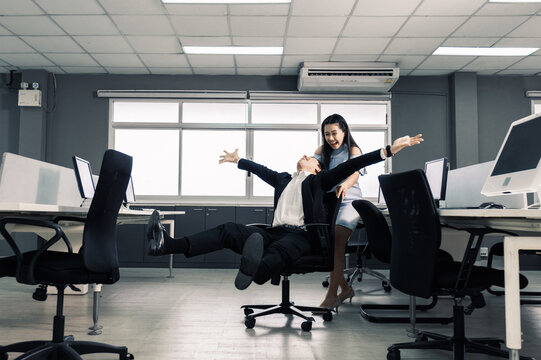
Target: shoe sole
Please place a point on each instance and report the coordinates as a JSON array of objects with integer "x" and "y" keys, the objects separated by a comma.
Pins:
[
  {"x": 153, "y": 235},
  {"x": 252, "y": 252}
]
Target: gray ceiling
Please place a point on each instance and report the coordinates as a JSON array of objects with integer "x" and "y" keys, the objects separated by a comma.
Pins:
[{"x": 146, "y": 36}]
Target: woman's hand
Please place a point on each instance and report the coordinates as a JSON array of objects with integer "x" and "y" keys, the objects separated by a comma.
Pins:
[
  {"x": 341, "y": 191},
  {"x": 405, "y": 141},
  {"x": 232, "y": 157}
]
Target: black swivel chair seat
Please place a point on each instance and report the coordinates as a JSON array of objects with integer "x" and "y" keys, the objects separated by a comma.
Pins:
[
  {"x": 96, "y": 262},
  {"x": 415, "y": 269},
  {"x": 320, "y": 260}
]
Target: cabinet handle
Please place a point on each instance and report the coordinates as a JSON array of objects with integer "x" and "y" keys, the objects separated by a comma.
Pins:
[
  {"x": 197, "y": 209},
  {"x": 259, "y": 210},
  {"x": 211, "y": 209}
]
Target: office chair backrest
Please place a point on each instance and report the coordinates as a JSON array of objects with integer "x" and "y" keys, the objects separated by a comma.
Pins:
[
  {"x": 416, "y": 231},
  {"x": 377, "y": 230},
  {"x": 99, "y": 238}
]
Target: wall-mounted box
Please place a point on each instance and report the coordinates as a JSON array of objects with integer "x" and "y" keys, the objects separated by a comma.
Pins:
[{"x": 30, "y": 98}]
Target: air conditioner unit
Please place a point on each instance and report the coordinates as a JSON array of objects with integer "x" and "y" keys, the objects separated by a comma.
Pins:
[{"x": 347, "y": 77}]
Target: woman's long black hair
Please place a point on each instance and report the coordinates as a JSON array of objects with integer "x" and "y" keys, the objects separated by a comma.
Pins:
[{"x": 348, "y": 139}]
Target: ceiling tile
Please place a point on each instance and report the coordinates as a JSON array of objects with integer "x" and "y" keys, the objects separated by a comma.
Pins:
[
  {"x": 26, "y": 60},
  {"x": 470, "y": 41},
  {"x": 383, "y": 26},
  {"x": 520, "y": 42},
  {"x": 127, "y": 70},
  {"x": 258, "y": 41},
  {"x": 487, "y": 71},
  {"x": 86, "y": 25},
  {"x": 61, "y": 44},
  {"x": 385, "y": 7},
  {"x": 104, "y": 44},
  {"x": 448, "y": 8},
  {"x": 4, "y": 31},
  {"x": 445, "y": 62},
  {"x": 19, "y": 7},
  {"x": 489, "y": 25},
  {"x": 3, "y": 63},
  {"x": 491, "y": 62},
  {"x": 430, "y": 72},
  {"x": 146, "y": 7},
  {"x": 529, "y": 29},
  {"x": 509, "y": 9},
  {"x": 143, "y": 25},
  {"x": 272, "y": 61},
  {"x": 155, "y": 44},
  {"x": 519, "y": 72},
  {"x": 258, "y": 25},
  {"x": 296, "y": 60},
  {"x": 315, "y": 26},
  {"x": 265, "y": 71},
  {"x": 199, "y": 9},
  {"x": 84, "y": 69},
  {"x": 171, "y": 70},
  {"x": 322, "y": 46},
  {"x": 205, "y": 40},
  {"x": 118, "y": 60},
  {"x": 71, "y": 59},
  {"x": 164, "y": 60},
  {"x": 73, "y": 7},
  {"x": 354, "y": 58},
  {"x": 440, "y": 26},
  {"x": 413, "y": 46},
  {"x": 200, "y": 25},
  {"x": 30, "y": 25},
  {"x": 530, "y": 62},
  {"x": 214, "y": 71},
  {"x": 403, "y": 61},
  {"x": 51, "y": 69},
  {"x": 222, "y": 61},
  {"x": 361, "y": 45},
  {"x": 14, "y": 44},
  {"x": 259, "y": 9},
  {"x": 4, "y": 70},
  {"x": 321, "y": 8}
]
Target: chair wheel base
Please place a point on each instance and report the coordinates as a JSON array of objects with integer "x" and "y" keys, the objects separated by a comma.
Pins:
[
  {"x": 306, "y": 326},
  {"x": 249, "y": 322},
  {"x": 393, "y": 354}
]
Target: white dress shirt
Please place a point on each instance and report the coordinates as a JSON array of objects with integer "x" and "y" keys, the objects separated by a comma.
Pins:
[{"x": 289, "y": 209}]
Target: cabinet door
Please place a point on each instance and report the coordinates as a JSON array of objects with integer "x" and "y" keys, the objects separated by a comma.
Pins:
[
  {"x": 270, "y": 215},
  {"x": 251, "y": 215},
  {"x": 193, "y": 221},
  {"x": 157, "y": 261},
  {"x": 215, "y": 216},
  {"x": 131, "y": 244}
]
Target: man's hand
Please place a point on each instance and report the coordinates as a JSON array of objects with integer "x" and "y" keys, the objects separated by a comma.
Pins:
[
  {"x": 232, "y": 157},
  {"x": 405, "y": 141}
]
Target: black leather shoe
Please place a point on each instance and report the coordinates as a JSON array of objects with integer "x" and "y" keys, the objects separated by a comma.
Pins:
[
  {"x": 252, "y": 252},
  {"x": 155, "y": 235}
]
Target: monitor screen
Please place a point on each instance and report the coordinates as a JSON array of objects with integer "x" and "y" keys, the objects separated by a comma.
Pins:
[
  {"x": 436, "y": 174},
  {"x": 517, "y": 168},
  {"x": 130, "y": 193},
  {"x": 83, "y": 173}
]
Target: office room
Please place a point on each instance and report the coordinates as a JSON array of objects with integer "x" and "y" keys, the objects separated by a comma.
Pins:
[{"x": 170, "y": 106}]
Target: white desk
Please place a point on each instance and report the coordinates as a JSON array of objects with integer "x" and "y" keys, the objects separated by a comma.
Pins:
[{"x": 515, "y": 220}]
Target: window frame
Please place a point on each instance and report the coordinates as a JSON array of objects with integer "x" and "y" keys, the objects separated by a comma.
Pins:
[{"x": 249, "y": 127}]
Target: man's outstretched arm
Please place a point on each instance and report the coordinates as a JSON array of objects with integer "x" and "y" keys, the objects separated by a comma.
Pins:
[{"x": 271, "y": 177}]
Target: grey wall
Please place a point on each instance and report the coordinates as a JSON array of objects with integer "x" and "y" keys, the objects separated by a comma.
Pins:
[{"x": 9, "y": 116}]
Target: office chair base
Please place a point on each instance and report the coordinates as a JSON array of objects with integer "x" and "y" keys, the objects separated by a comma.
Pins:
[
  {"x": 402, "y": 319},
  {"x": 67, "y": 349}
]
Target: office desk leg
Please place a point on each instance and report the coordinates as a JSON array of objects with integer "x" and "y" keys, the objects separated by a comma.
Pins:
[
  {"x": 512, "y": 289},
  {"x": 96, "y": 329},
  {"x": 171, "y": 224}
]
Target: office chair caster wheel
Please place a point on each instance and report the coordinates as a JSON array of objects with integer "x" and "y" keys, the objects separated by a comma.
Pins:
[
  {"x": 306, "y": 326},
  {"x": 129, "y": 356},
  {"x": 40, "y": 294},
  {"x": 325, "y": 283},
  {"x": 248, "y": 311},
  {"x": 327, "y": 316},
  {"x": 4, "y": 356},
  {"x": 393, "y": 354},
  {"x": 249, "y": 322},
  {"x": 386, "y": 286}
]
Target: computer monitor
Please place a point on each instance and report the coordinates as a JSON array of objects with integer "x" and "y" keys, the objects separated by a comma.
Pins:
[
  {"x": 129, "y": 197},
  {"x": 436, "y": 174},
  {"x": 83, "y": 174},
  {"x": 517, "y": 168}
]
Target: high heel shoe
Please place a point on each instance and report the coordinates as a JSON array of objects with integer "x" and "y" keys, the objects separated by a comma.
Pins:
[
  {"x": 333, "y": 307},
  {"x": 349, "y": 296}
]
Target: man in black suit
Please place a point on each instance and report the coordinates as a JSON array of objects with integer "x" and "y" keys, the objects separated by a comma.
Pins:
[{"x": 298, "y": 200}]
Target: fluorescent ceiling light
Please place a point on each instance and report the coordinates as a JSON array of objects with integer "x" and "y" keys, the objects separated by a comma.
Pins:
[
  {"x": 234, "y": 50},
  {"x": 225, "y": 1},
  {"x": 484, "y": 51}
]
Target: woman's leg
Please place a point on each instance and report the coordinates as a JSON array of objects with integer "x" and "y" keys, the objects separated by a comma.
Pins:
[{"x": 336, "y": 277}]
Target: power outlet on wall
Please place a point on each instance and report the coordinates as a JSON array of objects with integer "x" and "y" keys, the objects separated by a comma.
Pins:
[{"x": 483, "y": 252}]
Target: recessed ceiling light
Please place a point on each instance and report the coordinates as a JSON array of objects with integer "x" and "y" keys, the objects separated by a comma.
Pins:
[
  {"x": 234, "y": 50},
  {"x": 224, "y": 1},
  {"x": 515, "y": 1},
  {"x": 484, "y": 51}
]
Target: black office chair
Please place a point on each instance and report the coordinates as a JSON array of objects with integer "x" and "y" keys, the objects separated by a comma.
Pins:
[
  {"x": 96, "y": 262},
  {"x": 320, "y": 260},
  {"x": 415, "y": 269},
  {"x": 379, "y": 240}
]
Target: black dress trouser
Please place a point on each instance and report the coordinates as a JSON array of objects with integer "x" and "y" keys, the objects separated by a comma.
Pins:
[{"x": 282, "y": 246}]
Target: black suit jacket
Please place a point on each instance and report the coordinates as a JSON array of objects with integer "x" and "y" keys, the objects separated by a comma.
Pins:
[{"x": 314, "y": 187}]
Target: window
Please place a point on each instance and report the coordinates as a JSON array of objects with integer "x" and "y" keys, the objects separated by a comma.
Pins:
[{"x": 176, "y": 143}]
